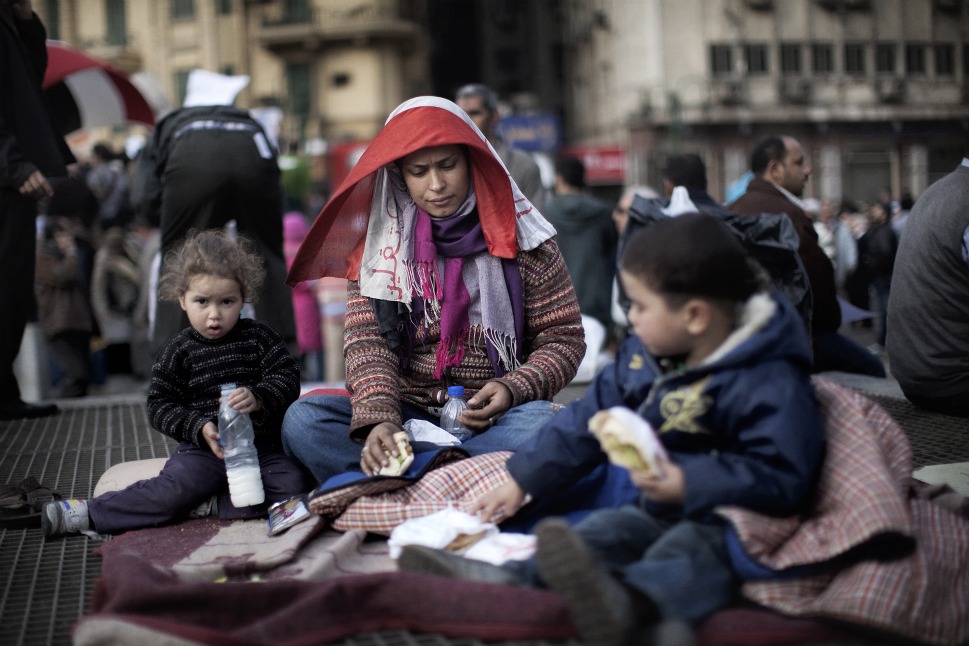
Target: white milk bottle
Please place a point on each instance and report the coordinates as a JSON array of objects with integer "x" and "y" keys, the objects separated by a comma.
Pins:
[{"x": 241, "y": 460}]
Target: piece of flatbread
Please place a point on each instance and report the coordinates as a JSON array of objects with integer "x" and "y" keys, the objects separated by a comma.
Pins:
[
  {"x": 404, "y": 458},
  {"x": 628, "y": 440}
]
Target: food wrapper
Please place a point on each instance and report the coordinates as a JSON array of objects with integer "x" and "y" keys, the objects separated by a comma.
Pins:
[
  {"x": 628, "y": 440},
  {"x": 287, "y": 513},
  {"x": 448, "y": 529}
]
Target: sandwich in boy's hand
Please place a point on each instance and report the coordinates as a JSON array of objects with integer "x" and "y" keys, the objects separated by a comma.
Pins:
[
  {"x": 405, "y": 455},
  {"x": 628, "y": 440}
]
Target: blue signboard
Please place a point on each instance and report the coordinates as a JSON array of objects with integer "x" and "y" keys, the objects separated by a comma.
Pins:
[{"x": 534, "y": 133}]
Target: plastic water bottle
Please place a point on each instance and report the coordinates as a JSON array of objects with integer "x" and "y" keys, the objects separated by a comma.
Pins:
[
  {"x": 452, "y": 411},
  {"x": 241, "y": 460}
]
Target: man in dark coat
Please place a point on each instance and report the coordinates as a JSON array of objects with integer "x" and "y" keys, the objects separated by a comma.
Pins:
[
  {"x": 30, "y": 153},
  {"x": 204, "y": 166},
  {"x": 781, "y": 170}
]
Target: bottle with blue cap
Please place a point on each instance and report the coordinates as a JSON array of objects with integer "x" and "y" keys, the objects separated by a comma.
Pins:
[{"x": 450, "y": 416}]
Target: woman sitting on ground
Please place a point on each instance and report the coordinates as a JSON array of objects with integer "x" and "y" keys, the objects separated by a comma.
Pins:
[{"x": 455, "y": 279}]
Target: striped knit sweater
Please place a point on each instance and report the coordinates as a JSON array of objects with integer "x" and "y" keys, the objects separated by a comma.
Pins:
[
  {"x": 185, "y": 381},
  {"x": 553, "y": 347}
]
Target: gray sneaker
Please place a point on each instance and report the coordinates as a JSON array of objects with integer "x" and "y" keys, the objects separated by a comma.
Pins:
[
  {"x": 419, "y": 558},
  {"x": 66, "y": 516},
  {"x": 601, "y": 606}
]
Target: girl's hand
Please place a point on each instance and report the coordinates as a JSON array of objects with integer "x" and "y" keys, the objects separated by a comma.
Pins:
[
  {"x": 379, "y": 448},
  {"x": 670, "y": 488},
  {"x": 244, "y": 401},
  {"x": 499, "y": 504},
  {"x": 211, "y": 434},
  {"x": 487, "y": 406}
]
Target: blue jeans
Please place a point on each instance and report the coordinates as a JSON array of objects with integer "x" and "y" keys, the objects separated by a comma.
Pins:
[
  {"x": 190, "y": 477},
  {"x": 682, "y": 565},
  {"x": 316, "y": 431}
]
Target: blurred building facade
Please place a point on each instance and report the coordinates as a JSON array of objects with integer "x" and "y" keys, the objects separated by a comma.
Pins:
[{"x": 876, "y": 90}]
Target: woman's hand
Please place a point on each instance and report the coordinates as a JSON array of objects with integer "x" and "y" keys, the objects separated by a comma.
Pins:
[
  {"x": 379, "y": 448},
  {"x": 487, "y": 405},
  {"x": 244, "y": 401},
  {"x": 499, "y": 504},
  {"x": 210, "y": 432},
  {"x": 670, "y": 488}
]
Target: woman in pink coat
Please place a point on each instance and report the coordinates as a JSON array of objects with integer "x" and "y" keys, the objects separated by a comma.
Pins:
[{"x": 306, "y": 310}]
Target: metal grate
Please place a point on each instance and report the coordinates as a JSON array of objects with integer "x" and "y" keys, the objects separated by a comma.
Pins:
[{"x": 45, "y": 586}]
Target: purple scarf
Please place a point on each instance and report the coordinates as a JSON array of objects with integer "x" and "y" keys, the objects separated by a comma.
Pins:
[{"x": 458, "y": 240}]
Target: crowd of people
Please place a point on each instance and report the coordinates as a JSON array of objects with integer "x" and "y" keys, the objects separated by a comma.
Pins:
[{"x": 456, "y": 274}]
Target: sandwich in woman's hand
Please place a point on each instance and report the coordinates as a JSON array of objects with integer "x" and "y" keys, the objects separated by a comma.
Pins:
[
  {"x": 628, "y": 440},
  {"x": 405, "y": 455}
]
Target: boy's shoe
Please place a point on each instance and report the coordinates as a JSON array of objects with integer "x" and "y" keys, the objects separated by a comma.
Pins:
[
  {"x": 601, "y": 606},
  {"x": 420, "y": 558},
  {"x": 63, "y": 517},
  {"x": 210, "y": 507}
]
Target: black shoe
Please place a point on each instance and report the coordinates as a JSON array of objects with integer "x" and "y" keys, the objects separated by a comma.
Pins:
[
  {"x": 19, "y": 409},
  {"x": 601, "y": 606},
  {"x": 419, "y": 558}
]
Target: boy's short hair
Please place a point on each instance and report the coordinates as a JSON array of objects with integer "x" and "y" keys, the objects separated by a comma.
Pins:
[
  {"x": 214, "y": 252},
  {"x": 692, "y": 255},
  {"x": 686, "y": 170}
]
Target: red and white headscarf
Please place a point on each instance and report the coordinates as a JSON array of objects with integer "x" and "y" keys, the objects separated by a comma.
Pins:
[{"x": 335, "y": 243}]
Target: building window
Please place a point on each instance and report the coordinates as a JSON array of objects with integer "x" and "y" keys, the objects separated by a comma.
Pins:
[
  {"x": 885, "y": 58},
  {"x": 756, "y": 59},
  {"x": 721, "y": 60},
  {"x": 225, "y": 7},
  {"x": 854, "y": 58},
  {"x": 965, "y": 61},
  {"x": 945, "y": 60},
  {"x": 117, "y": 29},
  {"x": 299, "y": 89},
  {"x": 183, "y": 9},
  {"x": 297, "y": 11},
  {"x": 53, "y": 20},
  {"x": 915, "y": 58},
  {"x": 181, "y": 85},
  {"x": 822, "y": 58},
  {"x": 790, "y": 58}
]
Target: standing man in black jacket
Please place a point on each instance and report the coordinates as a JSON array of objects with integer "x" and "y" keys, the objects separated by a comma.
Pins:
[{"x": 30, "y": 153}]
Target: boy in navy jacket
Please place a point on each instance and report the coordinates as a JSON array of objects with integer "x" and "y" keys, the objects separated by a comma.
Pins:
[{"x": 720, "y": 368}]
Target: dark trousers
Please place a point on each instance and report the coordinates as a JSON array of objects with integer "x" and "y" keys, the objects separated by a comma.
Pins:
[
  {"x": 682, "y": 566},
  {"x": 72, "y": 351},
  {"x": 190, "y": 477},
  {"x": 212, "y": 177},
  {"x": 17, "y": 250}
]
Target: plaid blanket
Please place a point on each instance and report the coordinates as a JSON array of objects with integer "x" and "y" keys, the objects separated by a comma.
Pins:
[{"x": 865, "y": 508}]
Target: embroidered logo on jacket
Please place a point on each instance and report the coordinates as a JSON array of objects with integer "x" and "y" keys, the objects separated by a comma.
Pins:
[{"x": 682, "y": 408}]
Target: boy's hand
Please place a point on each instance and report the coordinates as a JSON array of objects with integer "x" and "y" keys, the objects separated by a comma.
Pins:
[
  {"x": 211, "y": 434},
  {"x": 244, "y": 401},
  {"x": 379, "y": 448},
  {"x": 486, "y": 406},
  {"x": 499, "y": 504},
  {"x": 669, "y": 488}
]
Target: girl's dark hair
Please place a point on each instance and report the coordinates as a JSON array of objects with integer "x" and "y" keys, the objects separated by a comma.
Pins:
[
  {"x": 692, "y": 255},
  {"x": 212, "y": 252}
]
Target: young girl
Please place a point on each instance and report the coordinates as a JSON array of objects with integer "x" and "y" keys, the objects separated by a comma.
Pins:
[{"x": 211, "y": 277}]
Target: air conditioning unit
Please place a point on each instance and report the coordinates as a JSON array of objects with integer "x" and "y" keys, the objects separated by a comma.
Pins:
[
  {"x": 890, "y": 90},
  {"x": 795, "y": 90},
  {"x": 730, "y": 92}
]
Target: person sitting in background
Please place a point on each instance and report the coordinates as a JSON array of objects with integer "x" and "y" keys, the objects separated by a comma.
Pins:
[
  {"x": 928, "y": 311},
  {"x": 457, "y": 280},
  {"x": 115, "y": 287},
  {"x": 781, "y": 172},
  {"x": 720, "y": 368}
]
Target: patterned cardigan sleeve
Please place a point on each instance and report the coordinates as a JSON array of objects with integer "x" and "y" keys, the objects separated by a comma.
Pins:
[{"x": 554, "y": 336}]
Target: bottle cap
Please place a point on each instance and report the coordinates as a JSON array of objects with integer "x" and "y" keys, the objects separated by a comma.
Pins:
[{"x": 455, "y": 391}]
